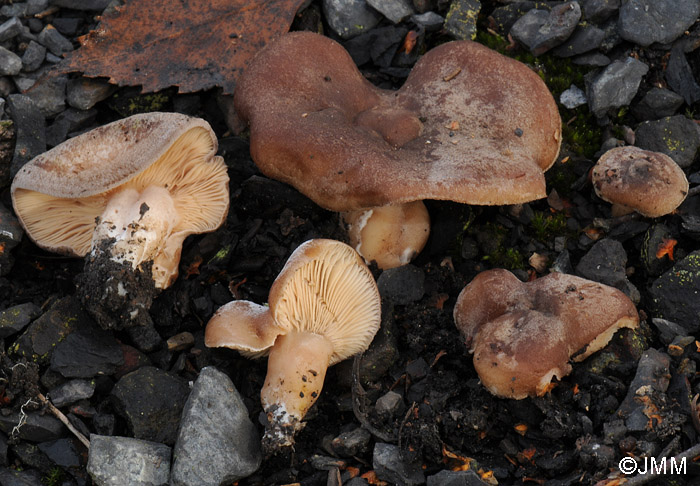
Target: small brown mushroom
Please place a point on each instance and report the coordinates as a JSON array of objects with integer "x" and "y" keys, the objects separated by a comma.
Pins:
[
  {"x": 524, "y": 334},
  {"x": 632, "y": 179},
  {"x": 469, "y": 125},
  {"x": 128, "y": 194},
  {"x": 323, "y": 308}
]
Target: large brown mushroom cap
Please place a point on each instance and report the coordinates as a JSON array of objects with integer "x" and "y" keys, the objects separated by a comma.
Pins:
[
  {"x": 59, "y": 194},
  {"x": 469, "y": 125},
  {"x": 523, "y": 334},
  {"x": 651, "y": 183}
]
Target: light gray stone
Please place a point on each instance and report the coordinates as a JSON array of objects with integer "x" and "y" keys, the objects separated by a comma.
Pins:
[
  {"x": 217, "y": 443},
  {"x": 116, "y": 461},
  {"x": 349, "y": 18},
  {"x": 394, "y": 10},
  {"x": 10, "y": 63},
  {"x": 615, "y": 86}
]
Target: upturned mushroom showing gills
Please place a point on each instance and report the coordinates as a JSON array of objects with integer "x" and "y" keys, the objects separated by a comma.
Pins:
[
  {"x": 469, "y": 125},
  {"x": 633, "y": 179},
  {"x": 524, "y": 334},
  {"x": 323, "y": 308},
  {"x": 126, "y": 194}
]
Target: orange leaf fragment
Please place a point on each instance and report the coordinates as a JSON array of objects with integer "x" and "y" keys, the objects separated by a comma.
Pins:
[
  {"x": 409, "y": 41},
  {"x": 521, "y": 429},
  {"x": 665, "y": 248},
  {"x": 195, "y": 45},
  {"x": 193, "y": 268}
]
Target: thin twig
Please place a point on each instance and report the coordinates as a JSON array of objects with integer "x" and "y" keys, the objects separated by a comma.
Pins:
[
  {"x": 358, "y": 393},
  {"x": 59, "y": 415}
]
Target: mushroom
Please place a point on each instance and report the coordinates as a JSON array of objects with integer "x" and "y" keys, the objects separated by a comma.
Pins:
[
  {"x": 461, "y": 129},
  {"x": 524, "y": 334},
  {"x": 633, "y": 179},
  {"x": 323, "y": 308},
  {"x": 127, "y": 194}
]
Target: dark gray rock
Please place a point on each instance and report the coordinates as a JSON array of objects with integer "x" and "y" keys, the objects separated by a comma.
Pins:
[
  {"x": 13, "y": 477},
  {"x": 647, "y": 21},
  {"x": 37, "y": 427},
  {"x": 595, "y": 59},
  {"x": 389, "y": 405},
  {"x": 650, "y": 381},
  {"x": 676, "y": 136},
  {"x": 657, "y": 103},
  {"x": 10, "y": 28},
  {"x": 116, "y": 461},
  {"x": 349, "y": 18},
  {"x": 151, "y": 401},
  {"x": 455, "y": 478},
  {"x": 31, "y": 130},
  {"x": 71, "y": 391},
  {"x": 389, "y": 467},
  {"x": 378, "y": 45},
  {"x": 599, "y": 10},
  {"x": 33, "y": 56},
  {"x": 615, "y": 86},
  {"x": 605, "y": 262},
  {"x": 585, "y": 38},
  {"x": 668, "y": 330},
  {"x": 540, "y": 30},
  {"x": 680, "y": 77},
  {"x": 31, "y": 456},
  {"x": 503, "y": 18},
  {"x": 10, "y": 63},
  {"x": 38, "y": 342},
  {"x": 54, "y": 41},
  {"x": 63, "y": 452},
  {"x": 394, "y": 10},
  {"x": 352, "y": 443},
  {"x": 49, "y": 94},
  {"x": 14, "y": 10},
  {"x": 402, "y": 285},
  {"x": 67, "y": 122},
  {"x": 655, "y": 236},
  {"x": 3, "y": 450},
  {"x": 430, "y": 21},
  {"x": 10, "y": 235},
  {"x": 88, "y": 5},
  {"x": 674, "y": 295},
  {"x": 84, "y": 93},
  {"x": 16, "y": 318},
  {"x": 86, "y": 353},
  {"x": 36, "y": 6},
  {"x": 460, "y": 21},
  {"x": 67, "y": 25},
  {"x": 217, "y": 443}
]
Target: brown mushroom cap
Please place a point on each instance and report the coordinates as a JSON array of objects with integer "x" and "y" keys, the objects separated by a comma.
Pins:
[
  {"x": 524, "y": 334},
  {"x": 469, "y": 125},
  {"x": 59, "y": 195},
  {"x": 651, "y": 183}
]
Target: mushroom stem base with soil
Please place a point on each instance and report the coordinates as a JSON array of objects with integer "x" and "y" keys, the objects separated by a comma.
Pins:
[
  {"x": 122, "y": 272},
  {"x": 390, "y": 235},
  {"x": 296, "y": 370}
]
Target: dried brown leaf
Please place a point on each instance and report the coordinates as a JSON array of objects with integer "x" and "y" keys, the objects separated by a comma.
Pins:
[{"x": 192, "y": 44}]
